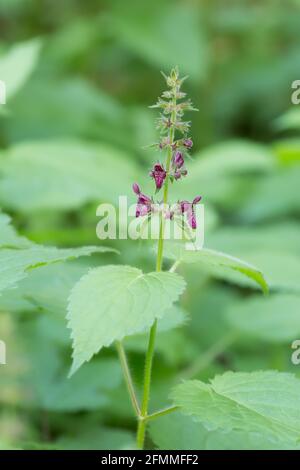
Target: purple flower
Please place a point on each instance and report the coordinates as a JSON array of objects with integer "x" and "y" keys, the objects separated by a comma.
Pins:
[
  {"x": 188, "y": 143},
  {"x": 178, "y": 160},
  {"x": 158, "y": 174},
  {"x": 144, "y": 202},
  {"x": 188, "y": 207},
  {"x": 136, "y": 188}
]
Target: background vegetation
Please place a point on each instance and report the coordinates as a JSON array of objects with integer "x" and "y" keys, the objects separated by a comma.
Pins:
[{"x": 80, "y": 77}]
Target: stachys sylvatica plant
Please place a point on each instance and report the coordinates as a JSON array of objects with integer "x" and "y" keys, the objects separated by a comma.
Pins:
[{"x": 112, "y": 302}]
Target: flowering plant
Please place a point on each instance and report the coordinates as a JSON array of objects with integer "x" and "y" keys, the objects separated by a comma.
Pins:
[{"x": 99, "y": 318}]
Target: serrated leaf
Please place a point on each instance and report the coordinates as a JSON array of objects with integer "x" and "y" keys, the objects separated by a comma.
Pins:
[
  {"x": 179, "y": 432},
  {"x": 112, "y": 302},
  {"x": 17, "y": 64},
  {"x": 63, "y": 174},
  {"x": 274, "y": 319},
  {"x": 213, "y": 260},
  {"x": 266, "y": 403}
]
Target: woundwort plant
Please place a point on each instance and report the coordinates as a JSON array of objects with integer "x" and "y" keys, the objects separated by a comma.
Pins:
[
  {"x": 170, "y": 123},
  {"x": 112, "y": 302}
]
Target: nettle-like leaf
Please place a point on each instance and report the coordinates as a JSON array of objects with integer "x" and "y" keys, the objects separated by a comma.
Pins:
[
  {"x": 177, "y": 432},
  {"x": 216, "y": 262},
  {"x": 67, "y": 174},
  {"x": 18, "y": 63},
  {"x": 112, "y": 302},
  {"x": 274, "y": 319},
  {"x": 265, "y": 402}
]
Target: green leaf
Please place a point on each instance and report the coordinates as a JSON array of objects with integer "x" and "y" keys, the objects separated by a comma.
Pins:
[
  {"x": 274, "y": 319},
  {"x": 9, "y": 237},
  {"x": 179, "y": 432},
  {"x": 288, "y": 150},
  {"x": 94, "y": 437},
  {"x": 232, "y": 157},
  {"x": 17, "y": 65},
  {"x": 15, "y": 264},
  {"x": 216, "y": 171},
  {"x": 148, "y": 30},
  {"x": 266, "y": 403},
  {"x": 63, "y": 174},
  {"x": 275, "y": 195},
  {"x": 112, "y": 302},
  {"x": 289, "y": 120},
  {"x": 216, "y": 262}
]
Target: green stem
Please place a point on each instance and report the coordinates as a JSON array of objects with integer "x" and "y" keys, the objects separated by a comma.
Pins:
[
  {"x": 141, "y": 431},
  {"x": 127, "y": 377},
  {"x": 163, "y": 412}
]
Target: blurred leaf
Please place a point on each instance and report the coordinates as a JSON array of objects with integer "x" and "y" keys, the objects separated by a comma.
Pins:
[
  {"x": 152, "y": 30},
  {"x": 17, "y": 263},
  {"x": 98, "y": 317},
  {"x": 281, "y": 270},
  {"x": 287, "y": 150},
  {"x": 17, "y": 65},
  {"x": 87, "y": 390},
  {"x": 280, "y": 237},
  {"x": 63, "y": 175},
  {"x": 218, "y": 172},
  {"x": 236, "y": 156},
  {"x": 276, "y": 194},
  {"x": 211, "y": 259},
  {"x": 97, "y": 438},
  {"x": 274, "y": 319},
  {"x": 266, "y": 403},
  {"x": 67, "y": 107},
  {"x": 289, "y": 120},
  {"x": 9, "y": 237}
]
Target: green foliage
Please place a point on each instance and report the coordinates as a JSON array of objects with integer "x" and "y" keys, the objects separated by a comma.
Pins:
[
  {"x": 17, "y": 64},
  {"x": 112, "y": 302},
  {"x": 266, "y": 403},
  {"x": 80, "y": 77},
  {"x": 217, "y": 263},
  {"x": 274, "y": 319},
  {"x": 68, "y": 175}
]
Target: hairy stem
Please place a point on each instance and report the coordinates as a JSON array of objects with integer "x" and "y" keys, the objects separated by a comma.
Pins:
[
  {"x": 127, "y": 377},
  {"x": 163, "y": 412},
  {"x": 159, "y": 260}
]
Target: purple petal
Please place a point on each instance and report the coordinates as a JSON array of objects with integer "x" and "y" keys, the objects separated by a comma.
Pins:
[
  {"x": 197, "y": 199},
  {"x": 136, "y": 188}
]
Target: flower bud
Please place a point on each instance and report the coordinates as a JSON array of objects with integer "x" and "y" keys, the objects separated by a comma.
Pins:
[
  {"x": 188, "y": 143},
  {"x": 136, "y": 188}
]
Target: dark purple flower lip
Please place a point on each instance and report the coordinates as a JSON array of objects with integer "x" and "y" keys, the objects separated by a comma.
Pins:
[
  {"x": 178, "y": 160},
  {"x": 136, "y": 188},
  {"x": 144, "y": 203},
  {"x": 159, "y": 174},
  {"x": 188, "y": 208},
  {"x": 188, "y": 143}
]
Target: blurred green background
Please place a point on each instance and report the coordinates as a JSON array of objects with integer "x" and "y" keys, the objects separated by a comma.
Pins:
[{"x": 80, "y": 77}]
